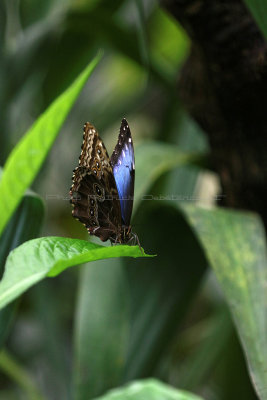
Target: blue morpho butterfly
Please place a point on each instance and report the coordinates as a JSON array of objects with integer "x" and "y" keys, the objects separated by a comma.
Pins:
[{"x": 103, "y": 187}]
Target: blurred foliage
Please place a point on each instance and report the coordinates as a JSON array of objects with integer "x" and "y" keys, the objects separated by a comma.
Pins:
[
  {"x": 29, "y": 153},
  {"x": 149, "y": 389},
  {"x": 97, "y": 327},
  {"x": 258, "y": 9}
]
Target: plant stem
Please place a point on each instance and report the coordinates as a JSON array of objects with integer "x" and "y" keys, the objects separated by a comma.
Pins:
[{"x": 22, "y": 378}]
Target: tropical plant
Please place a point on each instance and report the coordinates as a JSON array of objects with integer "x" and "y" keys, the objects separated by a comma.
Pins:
[{"x": 184, "y": 320}]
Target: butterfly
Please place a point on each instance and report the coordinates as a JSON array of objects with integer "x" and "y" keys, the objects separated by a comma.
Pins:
[{"x": 103, "y": 188}]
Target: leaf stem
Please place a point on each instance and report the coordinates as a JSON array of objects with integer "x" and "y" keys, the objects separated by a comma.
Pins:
[{"x": 19, "y": 375}]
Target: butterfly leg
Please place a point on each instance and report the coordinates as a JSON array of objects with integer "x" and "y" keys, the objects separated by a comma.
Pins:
[
  {"x": 113, "y": 241},
  {"x": 135, "y": 240},
  {"x": 139, "y": 245}
]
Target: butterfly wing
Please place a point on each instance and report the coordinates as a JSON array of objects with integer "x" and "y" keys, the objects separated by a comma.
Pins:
[
  {"x": 94, "y": 195},
  {"x": 122, "y": 162}
]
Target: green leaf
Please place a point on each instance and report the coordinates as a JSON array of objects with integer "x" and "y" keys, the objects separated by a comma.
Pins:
[
  {"x": 131, "y": 303},
  {"x": 149, "y": 389},
  {"x": 152, "y": 160},
  {"x": 27, "y": 157},
  {"x": 235, "y": 246},
  {"x": 103, "y": 306},
  {"x": 258, "y": 9},
  {"x": 169, "y": 44},
  {"x": 197, "y": 368},
  {"x": 160, "y": 291},
  {"x": 25, "y": 224},
  {"x": 49, "y": 256}
]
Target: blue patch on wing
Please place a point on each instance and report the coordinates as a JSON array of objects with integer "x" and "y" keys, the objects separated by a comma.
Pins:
[{"x": 122, "y": 161}]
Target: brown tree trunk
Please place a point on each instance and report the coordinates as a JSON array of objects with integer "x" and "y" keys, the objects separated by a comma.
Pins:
[{"x": 224, "y": 86}]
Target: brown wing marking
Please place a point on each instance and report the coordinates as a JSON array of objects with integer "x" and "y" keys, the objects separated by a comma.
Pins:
[{"x": 94, "y": 193}]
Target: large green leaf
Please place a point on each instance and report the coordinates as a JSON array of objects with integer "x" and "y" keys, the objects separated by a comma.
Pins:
[
  {"x": 141, "y": 303},
  {"x": 101, "y": 328},
  {"x": 25, "y": 224},
  {"x": 160, "y": 292},
  {"x": 27, "y": 157},
  {"x": 258, "y": 9},
  {"x": 235, "y": 246},
  {"x": 152, "y": 160},
  {"x": 212, "y": 336},
  {"x": 149, "y": 389},
  {"x": 49, "y": 256}
]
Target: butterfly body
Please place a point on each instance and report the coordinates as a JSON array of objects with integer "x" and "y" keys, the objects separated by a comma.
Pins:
[{"x": 103, "y": 188}]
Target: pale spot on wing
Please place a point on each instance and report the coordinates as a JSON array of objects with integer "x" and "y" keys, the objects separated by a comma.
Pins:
[
  {"x": 123, "y": 153},
  {"x": 120, "y": 162},
  {"x": 130, "y": 140}
]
